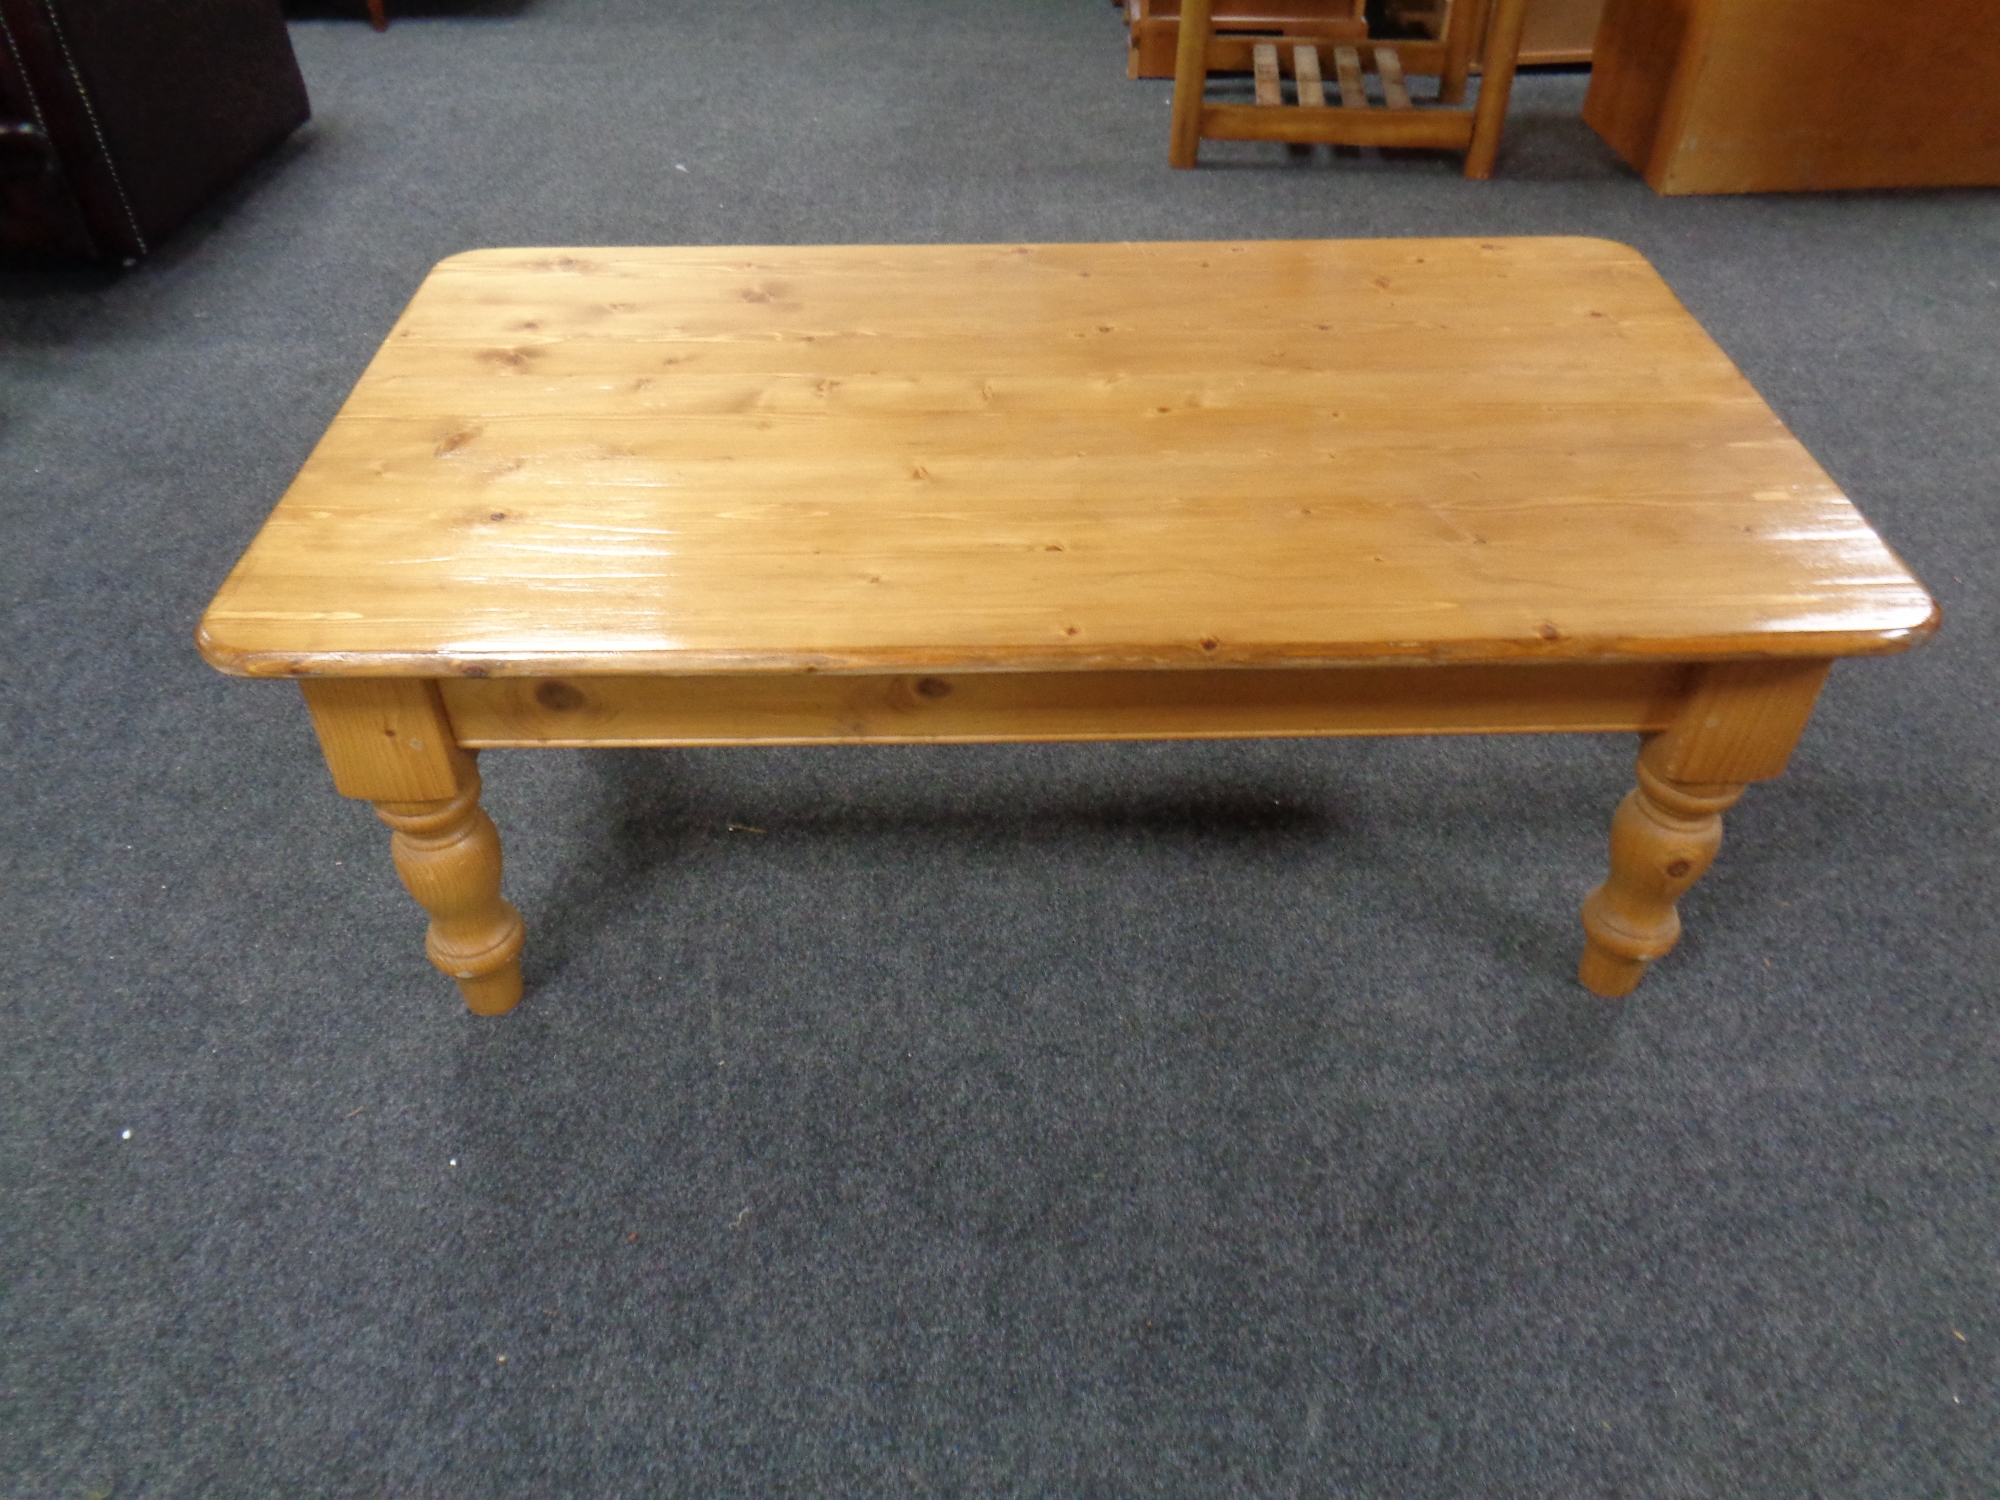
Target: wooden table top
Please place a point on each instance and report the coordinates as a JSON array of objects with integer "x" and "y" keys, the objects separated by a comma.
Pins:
[{"x": 957, "y": 457}]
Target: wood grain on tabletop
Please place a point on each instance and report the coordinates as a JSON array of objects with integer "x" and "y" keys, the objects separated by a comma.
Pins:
[{"x": 1060, "y": 456}]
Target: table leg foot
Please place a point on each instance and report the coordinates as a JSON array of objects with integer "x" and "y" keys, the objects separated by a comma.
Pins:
[
  {"x": 493, "y": 994},
  {"x": 1663, "y": 838},
  {"x": 1605, "y": 973},
  {"x": 448, "y": 853}
]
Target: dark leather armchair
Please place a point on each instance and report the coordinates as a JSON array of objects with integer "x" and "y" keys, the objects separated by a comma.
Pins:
[{"x": 119, "y": 118}]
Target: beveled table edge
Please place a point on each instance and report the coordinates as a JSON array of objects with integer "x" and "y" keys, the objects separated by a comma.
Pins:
[{"x": 1887, "y": 641}]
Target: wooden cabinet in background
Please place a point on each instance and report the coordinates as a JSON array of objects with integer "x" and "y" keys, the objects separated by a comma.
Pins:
[
  {"x": 1760, "y": 96},
  {"x": 1557, "y": 31},
  {"x": 1155, "y": 26}
]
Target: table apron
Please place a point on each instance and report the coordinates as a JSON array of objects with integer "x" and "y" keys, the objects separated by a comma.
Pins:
[{"x": 987, "y": 707}]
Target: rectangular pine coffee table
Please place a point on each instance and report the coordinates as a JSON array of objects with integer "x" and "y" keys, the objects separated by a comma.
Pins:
[{"x": 919, "y": 494}]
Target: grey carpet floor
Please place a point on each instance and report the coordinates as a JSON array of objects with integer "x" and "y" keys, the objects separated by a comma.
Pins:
[{"x": 1069, "y": 1121}]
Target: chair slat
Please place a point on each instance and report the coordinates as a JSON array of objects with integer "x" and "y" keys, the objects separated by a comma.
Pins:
[
  {"x": 1353, "y": 89},
  {"x": 1305, "y": 68},
  {"x": 1395, "y": 92},
  {"x": 1264, "y": 59}
]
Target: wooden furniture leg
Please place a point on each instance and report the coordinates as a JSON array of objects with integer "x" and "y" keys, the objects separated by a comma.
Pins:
[
  {"x": 1738, "y": 725},
  {"x": 1190, "y": 63},
  {"x": 448, "y": 853},
  {"x": 1496, "y": 85},
  {"x": 1663, "y": 839},
  {"x": 378, "y": 16},
  {"x": 1465, "y": 25},
  {"x": 389, "y": 742}
]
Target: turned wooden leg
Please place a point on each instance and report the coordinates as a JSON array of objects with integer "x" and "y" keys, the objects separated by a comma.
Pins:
[
  {"x": 448, "y": 854},
  {"x": 1737, "y": 724},
  {"x": 1663, "y": 839},
  {"x": 389, "y": 742}
]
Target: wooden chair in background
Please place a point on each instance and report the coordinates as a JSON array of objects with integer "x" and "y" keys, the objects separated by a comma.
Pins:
[
  {"x": 1355, "y": 121},
  {"x": 1153, "y": 27}
]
